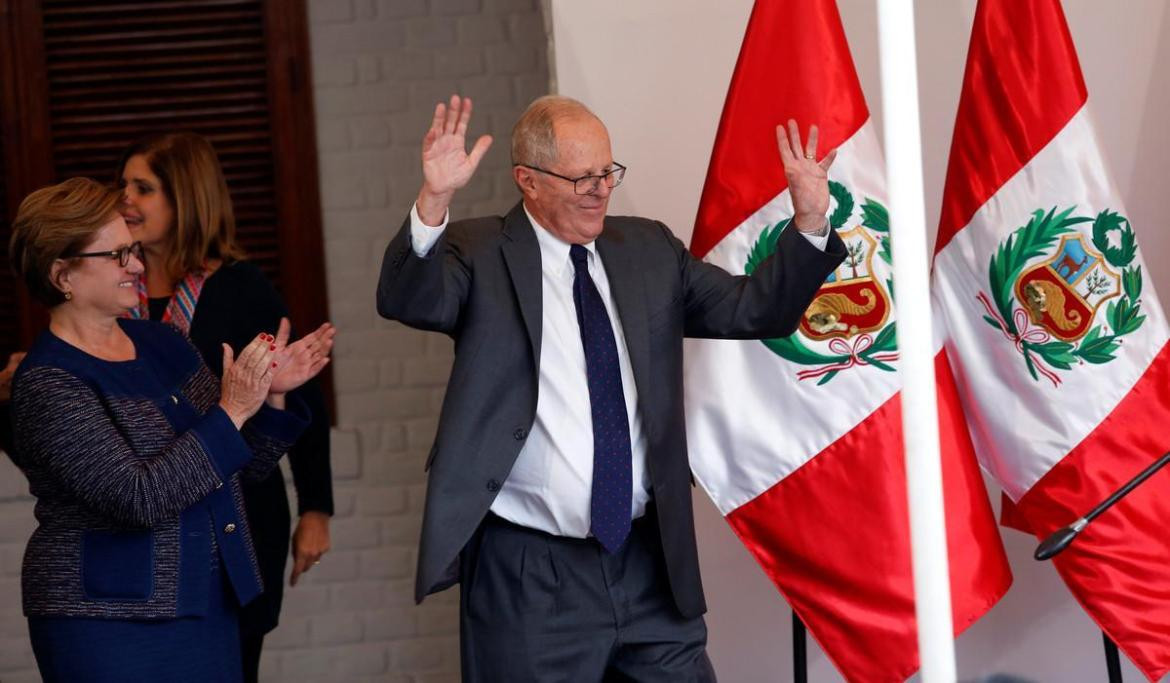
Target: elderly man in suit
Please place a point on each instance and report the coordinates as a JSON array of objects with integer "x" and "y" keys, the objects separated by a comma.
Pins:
[{"x": 559, "y": 492}]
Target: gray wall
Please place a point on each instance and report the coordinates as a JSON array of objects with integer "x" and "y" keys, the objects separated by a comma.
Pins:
[{"x": 379, "y": 68}]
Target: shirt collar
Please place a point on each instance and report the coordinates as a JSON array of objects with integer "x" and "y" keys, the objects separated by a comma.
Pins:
[{"x": 554, "y": 251}]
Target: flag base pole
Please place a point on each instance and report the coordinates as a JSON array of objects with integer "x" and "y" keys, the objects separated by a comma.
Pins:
[
  {"x": 1112, "y": 659},
  {"x": 800, "y": 651}
]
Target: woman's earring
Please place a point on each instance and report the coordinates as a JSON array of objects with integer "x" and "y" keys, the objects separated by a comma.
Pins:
[{"x": 69, "y": 296}]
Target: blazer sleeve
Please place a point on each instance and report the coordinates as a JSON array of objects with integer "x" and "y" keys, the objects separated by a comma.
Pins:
[
  {"x": 63, "y": 428},
  {"x": 767, "y": 303},
  {"x": 425, "y": 292}
]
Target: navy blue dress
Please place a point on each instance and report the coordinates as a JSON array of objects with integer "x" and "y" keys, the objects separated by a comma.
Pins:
[{"x": 126, "y": 584}]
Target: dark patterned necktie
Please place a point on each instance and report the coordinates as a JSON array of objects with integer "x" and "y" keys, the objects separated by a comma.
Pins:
[{"x": 612, "y": 487}]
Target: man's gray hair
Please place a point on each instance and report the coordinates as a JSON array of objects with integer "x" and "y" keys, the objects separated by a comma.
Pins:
[{"x": 534, "y": 140}]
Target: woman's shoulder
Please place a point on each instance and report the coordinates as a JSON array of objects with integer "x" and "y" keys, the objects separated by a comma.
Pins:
[{"x": 237, "y": 274}]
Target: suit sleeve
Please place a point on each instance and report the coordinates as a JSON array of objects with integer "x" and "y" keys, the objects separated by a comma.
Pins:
[
  {"x": 425, "y": 292},
  {"x": 767, "y": 303}
]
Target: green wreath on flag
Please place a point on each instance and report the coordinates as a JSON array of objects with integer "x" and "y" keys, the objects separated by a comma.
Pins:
[
  {"x": 1036, "y": 239},
  {"x": 877, "y": 351}
]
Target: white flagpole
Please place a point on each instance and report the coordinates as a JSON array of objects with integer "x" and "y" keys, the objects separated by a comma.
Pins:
[{"x": 899, "y": 70}]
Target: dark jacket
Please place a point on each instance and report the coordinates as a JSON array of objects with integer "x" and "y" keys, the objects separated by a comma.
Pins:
[
  {"x": 236, "y": 304},
  {"x": 137, "y": 472},
  {"x": 481, "y": 284}
]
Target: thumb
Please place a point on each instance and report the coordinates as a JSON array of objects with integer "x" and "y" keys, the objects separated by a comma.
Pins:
[
  {"x": 229, "y": 358},
  {"x": 480, "y": 149}
]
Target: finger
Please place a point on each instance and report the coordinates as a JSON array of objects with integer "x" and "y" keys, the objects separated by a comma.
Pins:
[
  {"x": 464, "y": 117},
  {"x": 437, "y": 121},
  {"x": 452, "y": 115},
  {"x": 228, "y": 358},
  {"x": 828, "y": 160},
  {"x": 246, "y": 361},
  {"x": 782, "y": 143},
  {"x": 480, "y": 149},
  {"x": 299, "y": 568},
  {"x": 282, "y": 332},
  {"x": 810, "y": 147},
  {"x": 260, "y": 353},
  {"x": 794, "y": 138}
]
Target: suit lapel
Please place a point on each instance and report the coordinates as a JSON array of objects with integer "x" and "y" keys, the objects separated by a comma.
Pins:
[
  {"x": 522, "y": 256},
  {"x": 629, "y": 294}
]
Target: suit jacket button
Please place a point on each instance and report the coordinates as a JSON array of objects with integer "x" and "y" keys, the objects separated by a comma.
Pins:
[
  {"x": 493, "y": 485},
  {"x": 229, "y": 528},
  {"x": 520, "y": 433}
]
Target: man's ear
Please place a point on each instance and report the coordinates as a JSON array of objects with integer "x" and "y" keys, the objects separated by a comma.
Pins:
[{"x": 525, "y": 180}]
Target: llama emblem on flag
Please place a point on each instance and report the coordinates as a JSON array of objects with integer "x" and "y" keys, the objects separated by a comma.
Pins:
[
  {"x": 1049, "y": 285},
  {"x": 848, "y": 324}
]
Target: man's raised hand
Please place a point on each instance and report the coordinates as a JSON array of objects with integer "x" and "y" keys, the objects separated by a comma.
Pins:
[
  {"x": 447, "y": 165},
  {"x": 808, "y": 179}
]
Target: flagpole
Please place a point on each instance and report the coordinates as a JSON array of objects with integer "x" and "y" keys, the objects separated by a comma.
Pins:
[{"x": 903, "y": 143}]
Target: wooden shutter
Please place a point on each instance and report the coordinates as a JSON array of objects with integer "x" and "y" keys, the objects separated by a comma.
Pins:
[{"x": 235, "y": 71}]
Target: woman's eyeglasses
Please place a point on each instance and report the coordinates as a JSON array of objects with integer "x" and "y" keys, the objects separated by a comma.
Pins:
[{"x": 122, "y": 255}]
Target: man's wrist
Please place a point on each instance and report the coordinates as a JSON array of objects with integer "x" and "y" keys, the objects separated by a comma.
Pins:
[
  {"x": 432, "y": 207},
  {"x": 812, "y": 224}
]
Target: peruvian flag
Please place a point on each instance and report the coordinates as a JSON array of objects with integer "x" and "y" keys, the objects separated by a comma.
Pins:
[
  {"x": 798, "y": 440},
  {"x": 1056, "y": 335}
]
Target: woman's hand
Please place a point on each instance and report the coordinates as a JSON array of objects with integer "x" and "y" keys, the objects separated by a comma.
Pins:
[
  {"x": 300, "y": 361},
  {"x": 309, "y": 542},
  {"x": 247, "y": 379}
]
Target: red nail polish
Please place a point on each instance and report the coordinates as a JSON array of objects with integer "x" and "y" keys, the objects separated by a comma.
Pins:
[
  {"x": 272, "y": 348},
  {"x": 274, "y": 365}
]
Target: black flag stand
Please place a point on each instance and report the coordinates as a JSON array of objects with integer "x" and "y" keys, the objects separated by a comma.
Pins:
[
  {"x": 799, "y": 651},
  {"x": 1112, "y": 660}
]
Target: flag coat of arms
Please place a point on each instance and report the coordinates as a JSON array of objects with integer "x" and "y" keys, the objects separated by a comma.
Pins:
[
  {"x": 1056, "y": 334},
  {"x": 798, "y": 440}
]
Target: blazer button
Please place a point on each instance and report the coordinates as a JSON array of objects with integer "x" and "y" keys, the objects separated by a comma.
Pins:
[
  {"x": 520, "y": 433},
  {"x": 229, "y": 528},
  {"x": 493, "y": 485}
]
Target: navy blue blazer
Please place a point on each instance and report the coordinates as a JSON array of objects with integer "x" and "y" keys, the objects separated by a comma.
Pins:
[{"x": 136, "y": 471}]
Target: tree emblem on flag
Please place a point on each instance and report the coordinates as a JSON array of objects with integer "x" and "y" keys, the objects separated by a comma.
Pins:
[
  {"x": 836, "y": 333},
  {"x": 1049, "y": 285}
]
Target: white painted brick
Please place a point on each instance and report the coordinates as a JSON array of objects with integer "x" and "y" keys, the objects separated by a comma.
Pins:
[
  {"x": 387, "y": 563},
  {"x": 430, "y": 33},
  {"x": 418, "y": 655},
  {"x": 391, "y": 623},
  {"x": 427, "y": 372},
  {"x": 330, "y": 11},
  {"x": 335, "y": 629},
  {"x": 401, "y": 9},
  {"x": 305, "y": 663},
  {"x": 357, "y": 374},
  {"x": 380, "y": 501},
  {"x": 362, "y": 659},
  {"x": 354, "y": 533},
  {"x": 344, "y": 501},
  {"x": 369, "y": 132},
  {"x": 399, "y": 593},
  {"x": 332, "y": 74},
  {"x": 482, "y": 30},
  {"x": 16, "y": 522},
  {"x": 344, "y": 454},
  {"x": 306, "y": 599},
  {"x": 369, "y": 68},
  {"x": 363, "y": 37},
  {"x": 511, "y": 59},
  {"x": 459, "y": 62},
  {"x": 393, "y": 437},
  {"x": 409, "y": 65},
  {"x": 342, "y": 565},
  {"x": 448, "y": 7},
  {"x": 292, "y": 633},
  {"x": 356, "y": 596},
  {"x": 13, "y": 484},
  {"x": 508, "y": 6}
]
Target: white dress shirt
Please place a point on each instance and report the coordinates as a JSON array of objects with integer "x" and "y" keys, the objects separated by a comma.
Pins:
[{"x": 550, "y": 485}]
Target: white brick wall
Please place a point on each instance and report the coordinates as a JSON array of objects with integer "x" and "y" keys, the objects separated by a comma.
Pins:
[{"x": 379, "y": 68}]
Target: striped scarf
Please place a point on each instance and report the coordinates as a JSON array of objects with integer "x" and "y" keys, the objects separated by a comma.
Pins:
[{"x": 181, "y": 308}]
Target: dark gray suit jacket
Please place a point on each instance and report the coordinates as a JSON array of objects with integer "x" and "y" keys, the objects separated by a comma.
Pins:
[{"x": 481, "y": 284}]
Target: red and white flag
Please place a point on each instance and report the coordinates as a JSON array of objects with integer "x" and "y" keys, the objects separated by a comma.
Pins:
[
  {"x": 1056, "y": 334},
  {"x": 798, "y": 440}
]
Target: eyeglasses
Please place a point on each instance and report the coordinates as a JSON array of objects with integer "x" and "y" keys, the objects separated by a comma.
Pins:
[
  {"x": 588, "y": 184},
  {"x": 123, "y": 254}
]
